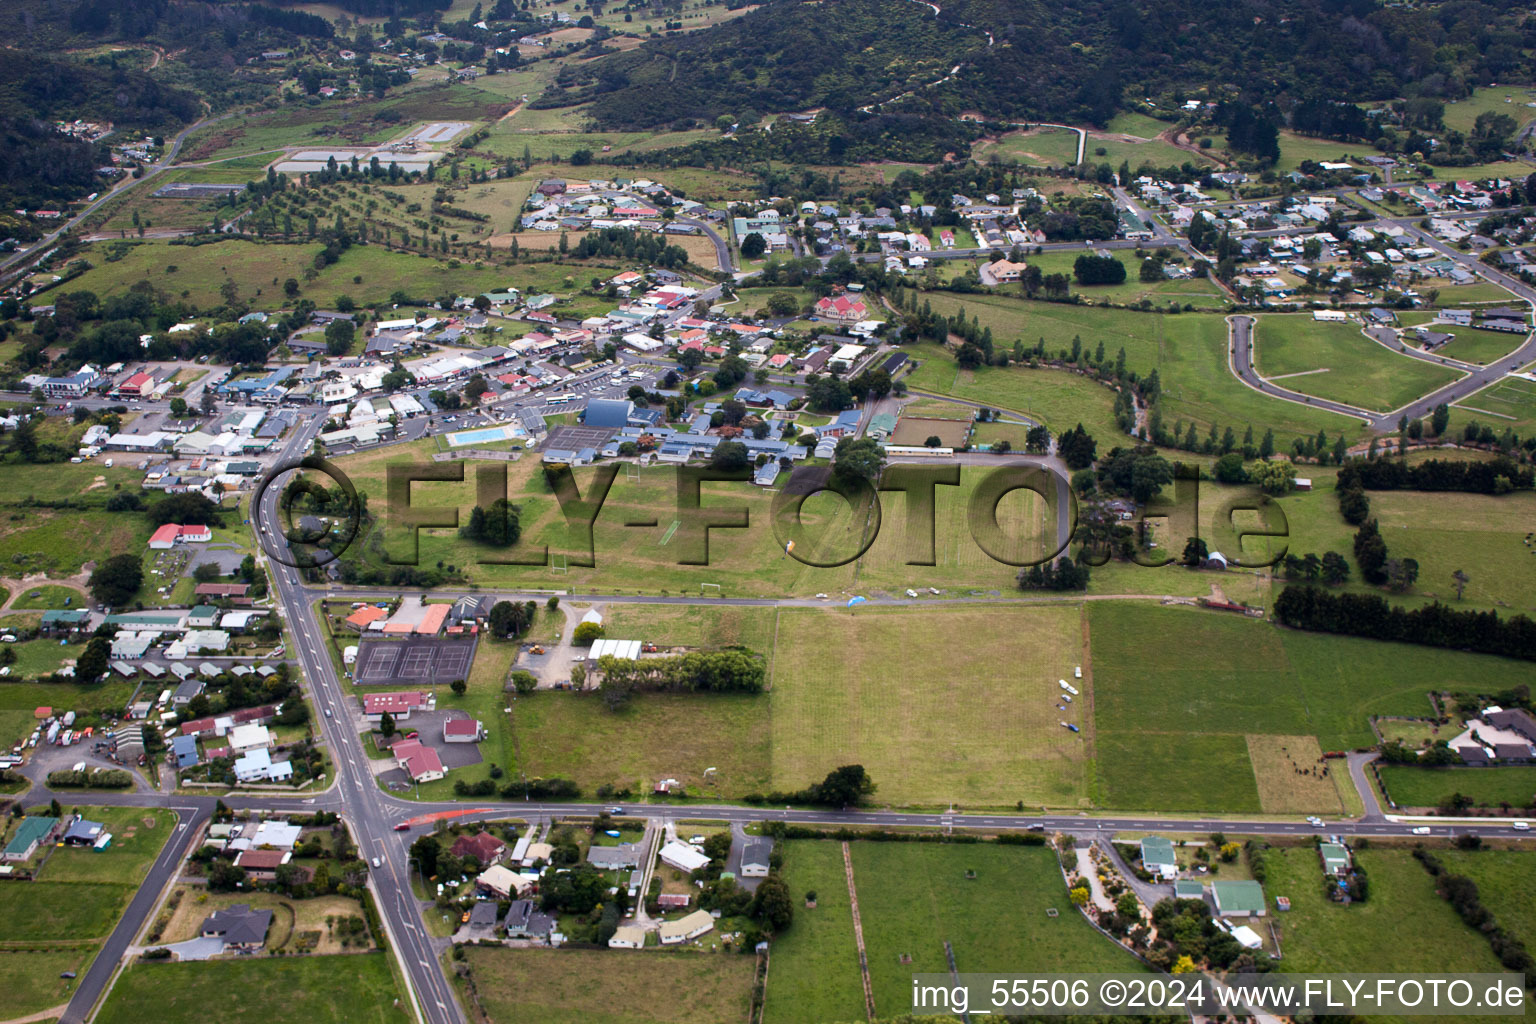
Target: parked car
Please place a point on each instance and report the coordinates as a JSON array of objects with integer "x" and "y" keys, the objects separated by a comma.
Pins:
[{"x": 1520, "y": 826}]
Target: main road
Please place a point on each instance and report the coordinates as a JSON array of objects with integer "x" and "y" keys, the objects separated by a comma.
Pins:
[{"x": 384, "y": 824}]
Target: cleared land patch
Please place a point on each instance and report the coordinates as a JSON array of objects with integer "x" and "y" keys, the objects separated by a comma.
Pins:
[
  {"x": 959, "y": 704},
  {"x": 557, "y": 986},
  {"x": 1360, "y": 372},
  {"x": 1289, "y": 773},
  {"x": 912, "y": 898},
  {"x": 1171, "y": 727}
]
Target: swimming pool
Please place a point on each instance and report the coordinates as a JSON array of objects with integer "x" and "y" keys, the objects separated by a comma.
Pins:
[{"x": 484, "y": 435}]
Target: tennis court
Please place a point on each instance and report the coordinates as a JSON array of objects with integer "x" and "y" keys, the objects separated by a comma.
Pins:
[{"x": 416, "y": 661}]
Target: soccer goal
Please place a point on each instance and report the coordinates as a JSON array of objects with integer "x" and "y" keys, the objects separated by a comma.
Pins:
[{"x": 709, "y": 590}]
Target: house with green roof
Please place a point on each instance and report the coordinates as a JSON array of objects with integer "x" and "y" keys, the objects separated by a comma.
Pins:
[
  {"x": 34, "y": 831},
  {"x": 1335, "y": 858},
  {"x": 1238, "y": 899},
  {"x": 1158, "y": 858},
  {"x": 65, "y": 620},
  {"x": 1188, "y": 889}
]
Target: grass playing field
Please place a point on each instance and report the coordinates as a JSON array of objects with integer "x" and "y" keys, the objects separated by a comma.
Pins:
[
  {"x": 1508, "y": 404},
  {"x": 1410, "y": 786},
  {"x": 1172, "y": 728},
  {"x": 642, "y": 988},
  {"x": 972, "y": 719},
  {"x": 315, "y": 989},
  {"x": 1201, "y": 292},
  {"x": 749, "y": 561},
  {"x": 912, "y": 898},
  {"x": 1337, "y": 362}
]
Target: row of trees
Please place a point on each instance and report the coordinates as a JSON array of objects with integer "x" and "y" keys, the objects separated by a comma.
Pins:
[
  {"x": 1436, "y": 625},
  {"x": 1496, "y": 476},
  {"x": 695, "y": 672}
]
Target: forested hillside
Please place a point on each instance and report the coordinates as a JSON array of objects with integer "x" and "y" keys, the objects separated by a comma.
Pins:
[
  {"x": 787, "y": 55},
  {"x": 1076, "y": 62}
]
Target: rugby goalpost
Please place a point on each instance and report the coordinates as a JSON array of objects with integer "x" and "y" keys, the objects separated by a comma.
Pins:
[
  {"x": 558, "y": 565},
  {"x": 706, "y": 588}
]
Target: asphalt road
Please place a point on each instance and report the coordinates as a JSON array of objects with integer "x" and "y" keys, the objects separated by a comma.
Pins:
[{"x": 21, "y": 257}]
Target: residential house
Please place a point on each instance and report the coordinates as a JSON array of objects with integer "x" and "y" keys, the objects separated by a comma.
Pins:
[
  {"x": 755, "y": 857},
  {"x": 486, "y": 848},
  {"x": 239, "y": 927},
  {"x": 691, "y": 927}
]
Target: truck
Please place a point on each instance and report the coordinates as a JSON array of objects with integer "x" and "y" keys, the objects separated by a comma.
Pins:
[
  {"x": 53, "y": 733},
  {"x": 1067, "y": 686},
  {"x": 69, "y": 718}
]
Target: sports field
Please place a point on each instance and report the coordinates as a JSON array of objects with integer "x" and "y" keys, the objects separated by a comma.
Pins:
[
  {"x": 1337, "y": 362},
  {"x": 945, "y": 705},
  {"x": 913, "y": 897},
  {"x": 1172, "y": 728},
  {"x": 1202, "y": 292},
  {"x": 1508, "y": 404},
  {"x": 653, "y": 987},
  {"x": 659, "y": 559}
]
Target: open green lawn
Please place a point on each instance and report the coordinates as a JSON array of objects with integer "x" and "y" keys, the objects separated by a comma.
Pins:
[
  {"x": 693, "y": 625},
  {"x": 912, "y": 898},
  {"x": 1337, "y": 362},
  {"x": 657, "y": 736},
  {"x": 928, "y": 713},
  {"x": 1317, "y": 935},
  {"x": 749, "y": 561},
  {"x": 1189, "y": 352},
  {"x": 258, "y": 270},
  {"x": 42, "y": 657},
  {"x": 1474, "y": 346},
  {"x": 46, "y": 911},
  {"x": 1505, "y": 404},
  {"x": 1041, "y": 147},
  {"x": 1294, "y": 149},
  {"x": 1409, "y": 786},
  {"x": 48, "y": 596},
  {"x": 1461, "y": 115},
  {"x": 31, "y": 979},
  {"x": 1171, "y": 726},
  {"x": 816, "y": 958},
  {"x": 1202, "y": 292},
  {"x": 138, "y": 833},
  {"x": 1506, "y": 884},
  {"x": 358, "y": 989},
  {"x": 1482, "y": 535},
  {"x": 650, "y": 987}
]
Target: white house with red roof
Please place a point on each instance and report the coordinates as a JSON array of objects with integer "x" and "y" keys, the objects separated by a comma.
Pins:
[
  {"x": 169, "y": 535},
  {"x": 397, "y": 705},
  {"x": 841, "y": 307},
  {"x": 419, "y": 761}
]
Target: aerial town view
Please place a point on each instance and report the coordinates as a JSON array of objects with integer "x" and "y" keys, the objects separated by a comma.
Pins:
[{"x": 767, "y": 511}]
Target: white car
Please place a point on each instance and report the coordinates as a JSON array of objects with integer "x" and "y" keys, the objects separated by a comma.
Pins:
[
  {"x": 1315, "y": 821},
  {"x": 1422, "y": 830},
  {"x": 1520, "y": 826},
  {"x": 911, "y": 592},
  {"x": 821, "y": 597}
]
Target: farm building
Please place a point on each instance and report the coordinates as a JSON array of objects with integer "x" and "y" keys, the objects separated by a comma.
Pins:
[
  {"x": 1335, "y": 858},
  {"x": 1238, "y": 899}
]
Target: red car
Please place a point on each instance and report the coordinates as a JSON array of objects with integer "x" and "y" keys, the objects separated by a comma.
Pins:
[{"x": 404, "y": 826}]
